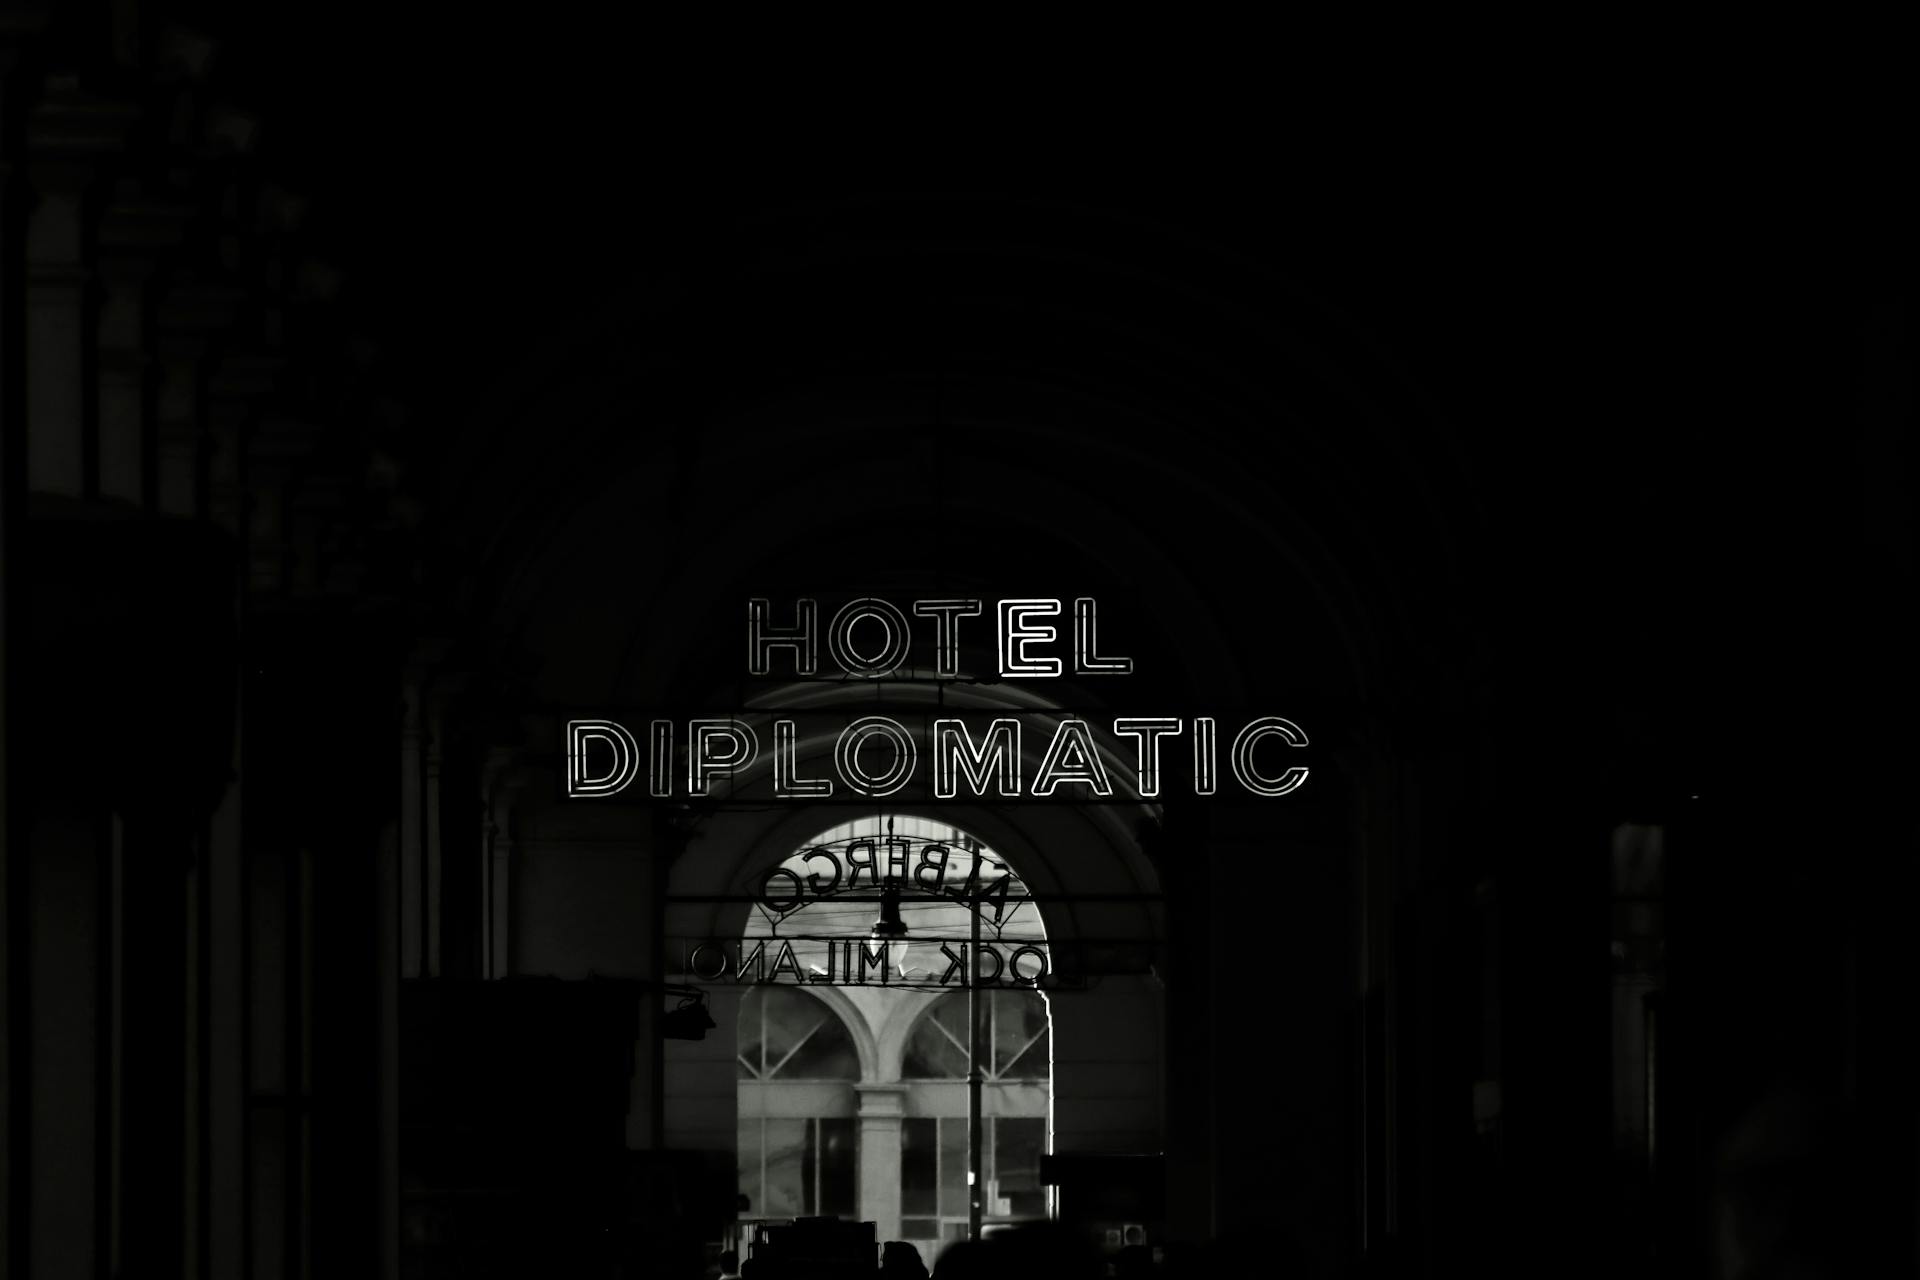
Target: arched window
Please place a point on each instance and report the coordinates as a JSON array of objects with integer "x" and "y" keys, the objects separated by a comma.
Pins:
[
  {"x": 797, "y": 1065},
  {"x": 1016, "y": 1038},
  {"x": 786, "y": 1035}
]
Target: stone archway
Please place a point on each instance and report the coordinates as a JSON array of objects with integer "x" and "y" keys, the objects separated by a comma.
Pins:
[
  {"x": 1271, "y": 559},
  {"x": 1093, "y": 884},
  {"x": 910, "y": 1107}
]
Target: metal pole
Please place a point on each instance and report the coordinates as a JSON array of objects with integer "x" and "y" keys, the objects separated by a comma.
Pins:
[{"x": 976, "y": 1019}]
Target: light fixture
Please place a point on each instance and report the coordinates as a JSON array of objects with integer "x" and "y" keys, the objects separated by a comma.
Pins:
[{"x": 889, "y": 925}]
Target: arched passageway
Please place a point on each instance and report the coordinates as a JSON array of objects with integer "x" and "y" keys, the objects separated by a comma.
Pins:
[{"x": 1042, "y": 1050}]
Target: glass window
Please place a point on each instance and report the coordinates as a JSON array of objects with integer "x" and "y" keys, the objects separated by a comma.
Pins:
[
  {"x": 795, "y": 1162},
  {"x": 785, "y": 1185},
  {"x": 834, "y": 1143},
  {"x": 792, "y": 1167},
  {"x": 798, "y": 1063},
  {"x": 933, "y": 1172},
  {"x": 920, "y": 1170},
  {"x": 953, "y": 1166},
  {"x": 1018, "y": 1144},
  {"x": 938, "y": 1048},
  {"x": 750, "y": 1150},
  {"x": 1020, "y": 1044},
  {"x": 1016, "y": 1031},
  {"x": 788, "y": 1035}
]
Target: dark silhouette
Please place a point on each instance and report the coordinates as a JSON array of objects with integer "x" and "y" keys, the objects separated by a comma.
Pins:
[
  {"x": 901, "y": 1261},
  {"x": 964, "y": 1260},
  {"x": 1028, "y": 1251}
]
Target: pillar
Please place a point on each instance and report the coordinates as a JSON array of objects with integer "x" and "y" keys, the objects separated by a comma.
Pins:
[{"x": 882, "y": 1107}]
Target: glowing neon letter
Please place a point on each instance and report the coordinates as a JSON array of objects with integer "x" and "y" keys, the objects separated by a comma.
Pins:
[
  {"x": 892, "y": 654},
  {"x": 846, "y": 753},
  {"x": 1146, "y": 732},
  {"x": 1084, "y": 661},
  {"x": 1203, "y": 756},
  {"x": 953, "y": 751},
  {"x": 802, "y": 637},
  {"x": 1243, "y": 744},
  {"x": 1015, "y": 635},
  {"x": 705, "y": 760},
  {"x": 626, "y": 757},
  {"x": 787, "y": 785},
  {"x": 660, "y": 763},
  {"x": 1072, "y": 757},
  {"x": 946, "y": 634}
]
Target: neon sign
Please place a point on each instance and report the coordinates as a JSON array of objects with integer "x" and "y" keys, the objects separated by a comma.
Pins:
[{"x": 821, "y": 756}]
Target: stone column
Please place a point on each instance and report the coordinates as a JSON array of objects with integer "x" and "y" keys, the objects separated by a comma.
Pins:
[{"x": 882, "y": 1107}]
